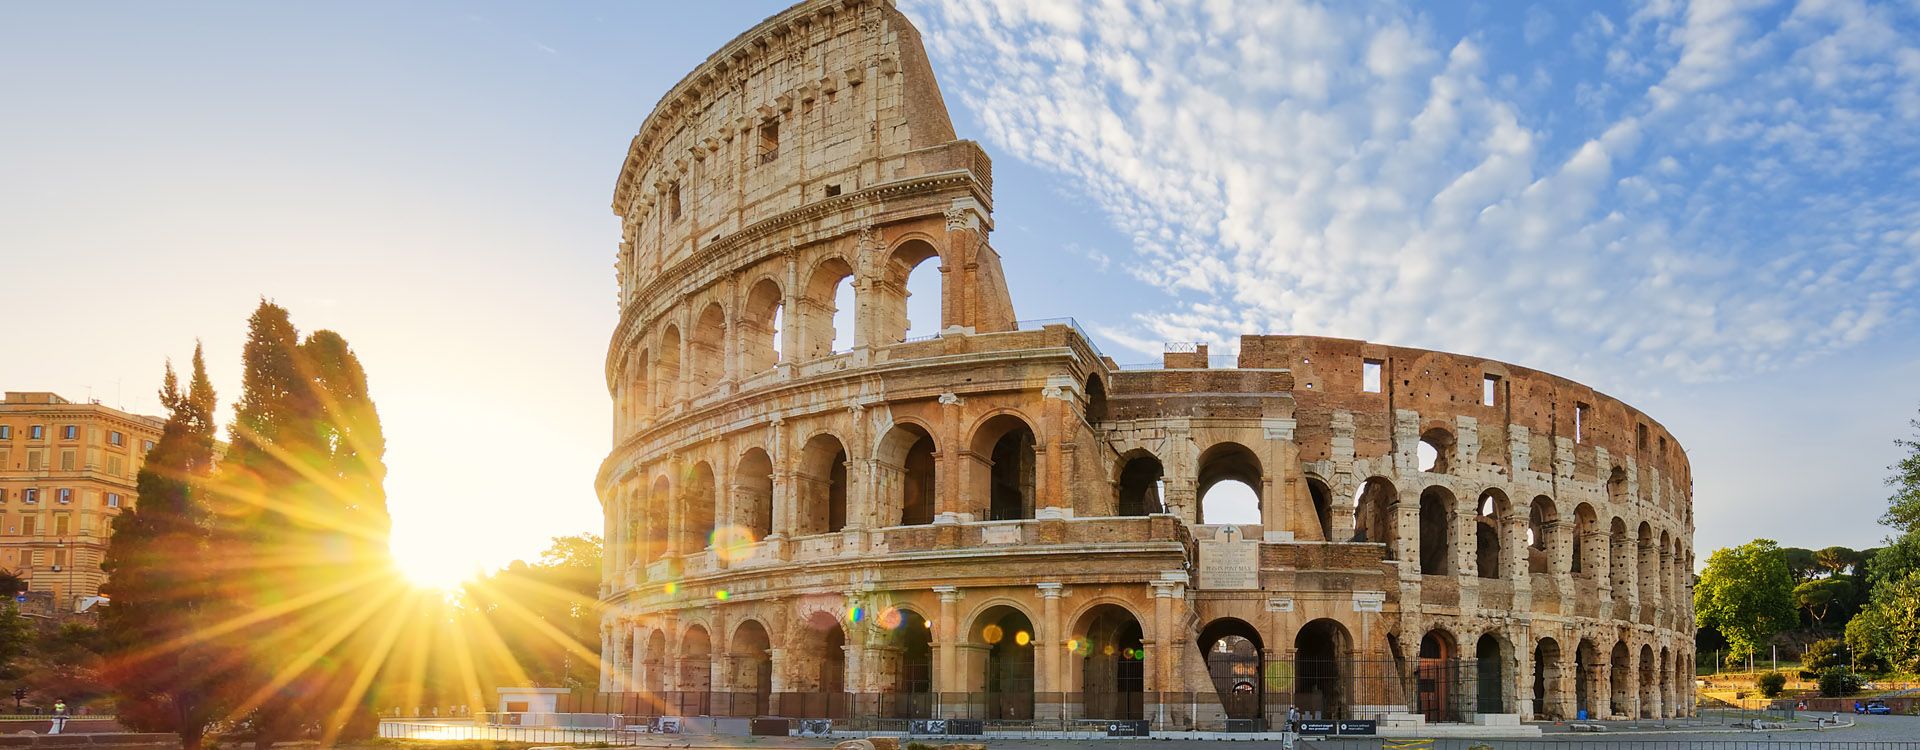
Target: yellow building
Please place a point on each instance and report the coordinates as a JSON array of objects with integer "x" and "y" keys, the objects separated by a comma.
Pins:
[{"x": 66, "y": 472}]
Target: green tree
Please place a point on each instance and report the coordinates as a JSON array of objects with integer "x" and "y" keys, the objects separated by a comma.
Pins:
[
  {"x": 1823, "y": 653},
  {"x": 1770, "y": 684},
  {"x": 159, "y": 665},
  {"x": 1837, "y": 560},
  {"x": 1820, "y": 595},
  {"x": 1801, "y": 562},
  {"x": 303, "y": 526},
  {"x": 547, "y": 614},
  {"x": 1903, "y": 509},
  {"x": 1887, "y": 629},
  {"x": 1746, "y": 593}
]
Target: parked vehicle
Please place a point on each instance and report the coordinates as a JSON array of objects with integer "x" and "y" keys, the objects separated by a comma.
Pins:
[{"x": 1875, "y": 706}]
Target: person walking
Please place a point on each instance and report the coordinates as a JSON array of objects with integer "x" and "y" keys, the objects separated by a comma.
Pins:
[
  {"x": 1293, "y": 718},
  {"x": 59, "y": 716}
]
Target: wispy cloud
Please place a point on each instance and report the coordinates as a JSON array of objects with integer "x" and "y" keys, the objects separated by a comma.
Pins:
[{"x": 1725, "y": 186}]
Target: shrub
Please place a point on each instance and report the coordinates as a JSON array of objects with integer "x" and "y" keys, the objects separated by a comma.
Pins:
[
  {"x": 1838, "y": 681},
  {"x": 1770, "y": 684},
  {"x": 1828, "y": 652}
]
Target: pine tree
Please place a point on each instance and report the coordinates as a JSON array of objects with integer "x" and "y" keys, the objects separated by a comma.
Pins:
[
  {"x": 302, "y": 505},
  {"x": 164, "y": 674}
]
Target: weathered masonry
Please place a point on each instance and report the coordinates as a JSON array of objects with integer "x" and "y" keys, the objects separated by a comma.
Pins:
[{"x": 999, "y": 522}]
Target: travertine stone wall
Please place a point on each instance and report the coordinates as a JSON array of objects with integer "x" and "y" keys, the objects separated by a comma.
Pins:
[{"x": 985, "y": 510}]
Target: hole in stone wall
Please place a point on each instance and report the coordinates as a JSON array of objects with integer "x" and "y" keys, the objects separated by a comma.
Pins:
[{"x": 1370, "y": 375}]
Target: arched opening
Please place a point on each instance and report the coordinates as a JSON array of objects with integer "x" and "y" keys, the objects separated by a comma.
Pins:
[
  {"x": 907, "y": 472},
  {"x": 653, "y": 672},
  {"x": 1321, "y": 668},
  {"x": 1543, "y": 521},
  {"x": 819, "y": 658},
  {"x": 1236, "y": 660},
  {"x": 1003, "y": 663},
  {"x": 1622, "y": 558},
  {"x": 1487, "y": 547},
  {"x": 656, "y": 534},
  {"x": 1649, "y": 684},
  {"x": 760, "y": 328},
  {"x": 820, "y": 485},
  {"x": 1589, "y": 543},
  {"x": 1008, "y": 475},
  {"x": 1142, "y": 485},
  {"x": 1619, "y": 680},
  {"x": 1491, "y": 675},
  {"x": 1436, "y": 531},
  {"x": 911, "y": 637},
  {"x": 1438, "y": 675},
  {"x": 696, "y": 672},
  {"x": 1617, "y": 487},
  {"x": 753, "y": 494},
  {"x": 1668, "y": 701},
  {"x": 709, "y": 348},
  {"x": 1547, "y": 680},
  {"x": 1647, "y": 574},
  {"x": 666, "y": 374},
  {"x": 1108, "y": 642},
  {"x": 751, "y": 674},
  {"x": 1322, "y": 497},
  {"x": 638, "y": 401},
  {"x": 826, "y": 310},
  {"x": 1372, "y": 516},
  {"x": 1096, "y": 399},
  {"x": 1585, "y": 656},
  {"x": 696, "y": 530},
  {"x": 1435, "y": 452},
  {"x": 1229, "y": 485},
  {"x": 909, "y": 304}
]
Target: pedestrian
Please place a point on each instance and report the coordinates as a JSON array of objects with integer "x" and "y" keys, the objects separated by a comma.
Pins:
[
  {"x": 59, "y": 716},
  {"x": 1293, "y": 718}
]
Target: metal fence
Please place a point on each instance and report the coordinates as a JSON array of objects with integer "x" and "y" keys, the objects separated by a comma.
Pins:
[
  {"x": 1628, "y": 743},
  {"x": 434, "y": 730}
]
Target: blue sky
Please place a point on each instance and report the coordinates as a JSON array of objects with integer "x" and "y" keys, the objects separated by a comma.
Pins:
[{"x": 1706, "y": 209}]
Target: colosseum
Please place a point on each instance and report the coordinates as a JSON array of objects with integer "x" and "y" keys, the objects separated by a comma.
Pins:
[{"x": 995, "y": 521}]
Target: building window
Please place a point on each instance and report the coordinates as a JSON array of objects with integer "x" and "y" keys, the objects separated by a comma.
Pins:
[
  {"x": 68, "y": 460},
  {"x": 70, "y": 432},
  {"x": 3, "y": 494},
  {"x": 146, "y": 446},
  {"x": 6, "y": 432},
  {"x": 113, "y": 499},
  {"x": 1489, "y": 389},
  {"x": 769, "y": 142},
  {"x": 115, "y": 466},
  {"x": 116, "y": 438},
  {"x": 28, "y": 526},
  {"x": 673, "y": 202},
  {"x": 1370, "y": 375},
  {"x": 1580, "y": 422},
  {"x": 66, "y": 496},
  {"x": 37, "y": 432},
  {"x": 30, "y": 495},
  {"x": 61, "y": 524},
  {"x": 34, "y": 458},
  {"x": 59, "y": 559}
]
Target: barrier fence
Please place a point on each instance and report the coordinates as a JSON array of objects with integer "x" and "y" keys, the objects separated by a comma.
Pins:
[
  {"x": 1611, "y": 743},
  {"x": 434, "y": 730}
]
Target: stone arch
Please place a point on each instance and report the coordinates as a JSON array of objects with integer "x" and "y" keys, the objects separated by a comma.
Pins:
[
  {"x": 666, "y": 368},
  {"x": 909, "y": 636},
  {"x": 1373, "y": 514},
  {"x": 1108, "y": 642},
  {"x": 760, "y": 325},
  {"x": 1649, "y": 683},
  {"x": 1141, "y": 484},
  {"x": 698, "y": 501},
  {"x": 638, "y": 379},
  {"x": 1435, "y": 451},
  {"x": 900, "y": 279},
  {"x": 907, "y": 473},
  {"x": 709, "y": 348},
  {"x": 1490, "y": 655},
  {"x": 1489, "y": 532},
  {"x": 816, "y": 654},
  {"x": 1620, "y": 680},
  {"x": 1543, "y": 522},
  {"x": 1438, "y": 676},
  {"x": 751, "y": 667},
  {"x": 1222, "y": 463},
  {"x": 1436, "y": 531},
  {"x": 1323, "y": 669},
  {"x": 1669, "y": 700},
  {"x": 820, "y": 336},
  {"x": 1647, "y": 569},
  {"x": 695, "y": 670},
  {"x": 1001, "y": 660},
  {"x": 1322, "y": 523},
  {"x": 752, "y": 493},
  {"x": 1236, "y": 661},
  {"x": 1096, "y": 399},
  {"x": 820, "y": 486},
  {"x": 1548, "y": 682},
  {"x": 653, "y": 678},
  {"x": 1590, "y": 555},
  {"x": 1586, "y": 662},
  {"x": 1622, "y": 558},
  {"x": 658, "y": 536},
  {"x": 1007, "y": 442}
]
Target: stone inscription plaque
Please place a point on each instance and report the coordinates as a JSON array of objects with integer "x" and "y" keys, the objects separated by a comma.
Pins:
[{"x": 1228, "y": 561}]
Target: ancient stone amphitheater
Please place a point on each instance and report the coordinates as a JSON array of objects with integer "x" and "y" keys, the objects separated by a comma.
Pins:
[{"x": 997, "y": 521}]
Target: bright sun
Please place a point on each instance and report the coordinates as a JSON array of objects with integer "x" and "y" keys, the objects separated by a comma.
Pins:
[{"x": 434, "y": 566}]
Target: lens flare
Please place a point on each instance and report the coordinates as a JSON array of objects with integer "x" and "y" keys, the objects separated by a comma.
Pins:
[
  {"x": 671, "y": 587},
  {"x": 855, "y": 615},
  {"x": 732, "y": 543},
  {"x": 992, "y": 634},
  {"x": 722, "y": 595},
  {"x": 891, "y": 618},
  {"x": 1023, "y": 638}
]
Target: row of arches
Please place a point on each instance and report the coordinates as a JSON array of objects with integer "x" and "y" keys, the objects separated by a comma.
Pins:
[
  {"x": 1437, "y": 453},
  {"x": 1494, "y": 538},
  {"x": 799, "y": 316}
]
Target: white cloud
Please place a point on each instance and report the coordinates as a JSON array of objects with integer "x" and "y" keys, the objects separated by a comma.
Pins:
[{"x": 1327, "y": 169}]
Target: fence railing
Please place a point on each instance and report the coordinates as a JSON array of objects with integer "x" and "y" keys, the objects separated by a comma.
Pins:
[
  {"x": 450, "y": 730},
  {"x": 1616, "y": 742}
]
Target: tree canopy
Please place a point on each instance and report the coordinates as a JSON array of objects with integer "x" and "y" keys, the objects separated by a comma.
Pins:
[{"x": 1746, "y": 592}]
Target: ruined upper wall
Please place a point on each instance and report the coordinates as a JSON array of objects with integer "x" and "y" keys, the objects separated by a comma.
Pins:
[
  {"x": 1603, "y": 432},
  {"x": 823, "y": 99}
]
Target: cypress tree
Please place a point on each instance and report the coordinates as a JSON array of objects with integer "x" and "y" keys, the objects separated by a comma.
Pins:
[{"x": 162, "y": 670}]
